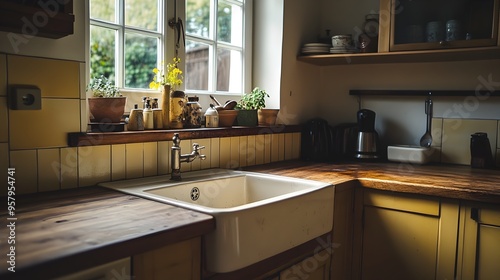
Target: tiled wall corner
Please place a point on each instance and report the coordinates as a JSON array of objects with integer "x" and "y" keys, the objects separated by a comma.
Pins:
[
  {"x": 49, "y": 169},
  {"x": 94, "y": 165},
  {"x": 4, "y": 164},
  {"x": 25, "y": 163},
  {"x": 134, "y": 160},
  {"x": 456, "y": 138},
  {"x": 69, "y": 168}
]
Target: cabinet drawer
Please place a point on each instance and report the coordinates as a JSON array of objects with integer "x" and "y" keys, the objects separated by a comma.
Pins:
[{"x": 402, "y": 202}]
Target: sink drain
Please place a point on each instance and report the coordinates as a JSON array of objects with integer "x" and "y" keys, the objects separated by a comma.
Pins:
[{"x": 195, "y": 193}]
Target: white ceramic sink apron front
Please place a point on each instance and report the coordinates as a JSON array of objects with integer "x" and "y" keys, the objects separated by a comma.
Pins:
[{"x": 257, "y": 215}]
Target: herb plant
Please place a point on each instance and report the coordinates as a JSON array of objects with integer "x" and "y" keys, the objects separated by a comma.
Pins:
[
  {"x": 254, "y": 100},
  {"x": 102, "y": 87}
]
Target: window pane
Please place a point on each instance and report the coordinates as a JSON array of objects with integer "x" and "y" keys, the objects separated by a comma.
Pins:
[
  {"x": 198, "y": 17},
  {"x": 229, "y": 23},
  {"x": 229, "y": 73},
  {"x": 103, "y": 10},
  {"x": 197, "y": 66},
  {"x": 102, "y": 52},
  {"x": 140, "y": 59},
  {"x": 142, "y": 14}
]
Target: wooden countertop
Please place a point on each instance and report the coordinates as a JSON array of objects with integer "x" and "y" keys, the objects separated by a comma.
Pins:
[
  {"x": 61, "y": 232},
  {"x": 450, "y": 181}
]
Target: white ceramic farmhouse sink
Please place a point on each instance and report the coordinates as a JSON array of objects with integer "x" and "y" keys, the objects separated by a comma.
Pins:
[{"x": 257, "y": 215}]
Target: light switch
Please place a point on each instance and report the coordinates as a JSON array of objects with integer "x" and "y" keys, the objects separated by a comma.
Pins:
[{"x": 24, "y": 97}]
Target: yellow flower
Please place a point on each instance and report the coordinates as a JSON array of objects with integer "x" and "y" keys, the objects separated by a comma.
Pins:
[{"x": 173, "y": 76}]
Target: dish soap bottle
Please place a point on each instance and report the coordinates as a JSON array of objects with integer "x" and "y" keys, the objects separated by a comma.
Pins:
[{"x": 148, "y": 116}]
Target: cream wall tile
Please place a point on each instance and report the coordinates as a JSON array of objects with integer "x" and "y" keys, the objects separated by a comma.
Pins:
[
  {"x": 82, "y": 80},
  {"x": 84, "y": 116},
  {"x": 243, "y": 151},
  {"x": 275, "y": 147},
  {"x": 185, "y": 149},
  {"x": 46, "y": 128},
  {"x": 49, "y": 170},
  {"x": 94, "y": 165},
  {"x": 437, "y": 132},
  {"x": 296, "y": 145},
  {"x": 4, "y": 120},
  {"x": 118, "y": 162},
  {"x": 288, "y": 146},
  {"x": 164, "y": 157},
  {"x": 456, "y": 138},
  {"x": 281, "y": 146},
  {"x": 55, "y": 78},
  {"x": 251, "y": 151},
  {"x": 3, "y": 75},
  {"x": 267, "y": 148},
  {"x": 225, "y": 152},
  {"x": 4, "y": 165},
  {"x": 150, "y": 159},
  {"x": 205, "y": 164},
  {"x": 259, "y": 148},
  {"x": 235, "y": 153},
  {"x": 25, "y": 163},
  {"x": 134, "y": 160},
  {"x": 215, "y": 152},
  {"x": 69, "y": 168}
]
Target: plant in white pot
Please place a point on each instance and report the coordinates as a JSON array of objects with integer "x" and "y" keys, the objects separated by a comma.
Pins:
[
  {"x": 106, "y": 105},
  {"x": 256, "y": 100}
]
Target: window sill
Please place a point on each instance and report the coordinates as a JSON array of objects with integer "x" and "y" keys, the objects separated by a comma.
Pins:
[{"x": 80, "y": 139}]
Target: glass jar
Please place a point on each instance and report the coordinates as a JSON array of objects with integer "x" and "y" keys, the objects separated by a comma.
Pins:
[
  {"x": 192, "y": 113},
  {"x": 177, "y": 99}
]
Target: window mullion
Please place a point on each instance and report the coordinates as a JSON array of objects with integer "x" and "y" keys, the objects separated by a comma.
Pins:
[
  {"x": 120, "y": 55},
  {"x": 213, "y": 54}
]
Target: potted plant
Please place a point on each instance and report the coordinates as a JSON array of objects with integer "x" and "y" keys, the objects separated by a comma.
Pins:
[
  {"x": 255, "y": 101},
  {"x": 106, "y": 105}
]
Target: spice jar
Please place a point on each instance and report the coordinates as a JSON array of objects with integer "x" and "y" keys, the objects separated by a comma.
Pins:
[
  {"x": 176, "y": 108},
  {"x": 192, "y": 113}
]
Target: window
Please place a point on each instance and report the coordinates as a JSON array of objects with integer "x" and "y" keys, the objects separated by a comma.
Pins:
[
  {"x": 215, "y": 45},
  {"x": 126, "y": 40}
]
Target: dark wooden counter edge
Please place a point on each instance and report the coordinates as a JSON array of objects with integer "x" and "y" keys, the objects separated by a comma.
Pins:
[
  {"x": 55, "y": 267},
  {"x": 78, "y": 139}
]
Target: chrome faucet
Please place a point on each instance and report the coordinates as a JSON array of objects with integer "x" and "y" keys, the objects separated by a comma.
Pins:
[{"x": 176, "y": 157}]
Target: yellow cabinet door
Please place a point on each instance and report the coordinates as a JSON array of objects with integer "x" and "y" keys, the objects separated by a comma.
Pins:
[
  {"x": 405, "y": 236},
  {"x": 316, "y": 267},
  {"x": 480, "y": 239}
]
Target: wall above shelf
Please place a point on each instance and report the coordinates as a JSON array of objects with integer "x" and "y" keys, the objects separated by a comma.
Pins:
[
  {"x": 393, "y": 92},
  {"x": 484, "y": 53}
]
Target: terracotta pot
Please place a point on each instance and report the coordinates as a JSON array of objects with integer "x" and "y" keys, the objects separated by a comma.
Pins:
[
  {"x": 267, "y": 116},
  {"x": 106, "y": 110},
  {"x": 227, "y": 117}
]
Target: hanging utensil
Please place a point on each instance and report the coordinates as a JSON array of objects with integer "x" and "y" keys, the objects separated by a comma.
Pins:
[{"x": 426, "y": 139}]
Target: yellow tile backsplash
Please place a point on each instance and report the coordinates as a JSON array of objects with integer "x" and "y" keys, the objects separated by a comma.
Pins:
[
  {"x": 456, "y": 138},
  {"x": 118, "y": 162},
  {"x": 55, "y": 78},
  {"x": 3, "y": 75},
  {"x": 94, "y": 165},
  {"x": 4, "y": 120},
  {"x": 150, "y": 159},
  {"x": 437, "y": 131},
  {"x": 49, "y": 169},
  {"x": 164, "y": 157},
  {"x": 134, "y": 160},
  {"x": 25, "y": 163},
  {"x": 69, "y": 168},
  {"x": 215, "y": 152},
  {"x": 45, "y": 128}
]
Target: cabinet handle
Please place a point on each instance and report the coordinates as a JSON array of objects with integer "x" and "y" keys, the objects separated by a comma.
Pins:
[{"x": 474, "y": 214}]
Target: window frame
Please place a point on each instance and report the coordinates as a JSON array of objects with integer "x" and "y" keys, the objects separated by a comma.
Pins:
[{"x": 246, "y": 49}]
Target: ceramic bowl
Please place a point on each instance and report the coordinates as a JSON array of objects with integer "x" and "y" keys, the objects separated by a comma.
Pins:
[{"x": 342, "y": 41}]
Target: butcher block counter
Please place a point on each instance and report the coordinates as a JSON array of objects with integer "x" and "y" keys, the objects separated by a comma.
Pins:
[
  {"x": 61, "y": 232},
  {"x": 449, "y": 181}
]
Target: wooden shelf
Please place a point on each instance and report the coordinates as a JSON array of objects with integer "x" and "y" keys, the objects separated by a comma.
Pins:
[
  {"x": 79, "y": 139},
  {"x": 403, "y": 56},
  {"x": 424, "y": 92}
]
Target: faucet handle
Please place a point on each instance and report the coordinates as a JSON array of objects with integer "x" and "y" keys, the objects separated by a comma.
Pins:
[{"x": 197, "y": 147}]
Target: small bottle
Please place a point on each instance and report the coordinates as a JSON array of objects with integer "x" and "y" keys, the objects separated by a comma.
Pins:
[
  {"x": 136, "y": 120},
  {"x": 148, "y": 116},
  {"x": 154, "y": 105}
]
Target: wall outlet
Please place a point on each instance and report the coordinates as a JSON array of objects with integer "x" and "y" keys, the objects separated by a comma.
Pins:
[{"x": 25, "y": 97}]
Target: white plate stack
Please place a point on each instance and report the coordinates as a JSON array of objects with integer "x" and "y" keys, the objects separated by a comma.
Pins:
[
  {"x": 343, "y": 50},
  {"x": 316, "y": 48}
]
